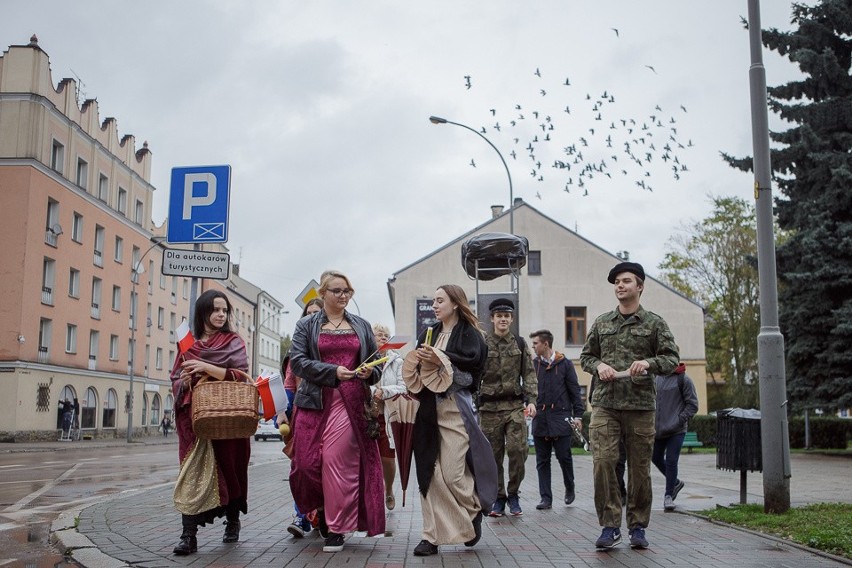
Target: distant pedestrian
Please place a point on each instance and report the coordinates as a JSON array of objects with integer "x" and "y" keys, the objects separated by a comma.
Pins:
[
  {"x": 507, "y": 395},
  {"x": 677, "y": 402},
  {"x": 625, "y": 348},
  {"x": 166, "y": 424},
  {"x": 558, "y": 405}
]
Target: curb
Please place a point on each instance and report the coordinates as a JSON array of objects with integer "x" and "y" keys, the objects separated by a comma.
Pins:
[
  {"x": 77, "y": 546},
  {"x": 773, "y": 538}
]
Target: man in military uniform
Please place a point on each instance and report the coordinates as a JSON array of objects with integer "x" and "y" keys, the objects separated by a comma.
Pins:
[
  {"x": 507, "y": 392},
  {"x": 624, "y": 351}
]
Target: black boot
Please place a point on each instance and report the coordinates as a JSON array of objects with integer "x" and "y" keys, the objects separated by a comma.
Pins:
[
  {"x": 232, "y": 530},
  {"x": 188, "y": 543}
]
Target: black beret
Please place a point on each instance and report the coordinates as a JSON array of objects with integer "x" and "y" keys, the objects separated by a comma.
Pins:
[
  {"x": 633, "y": 267},
  {"x": 502, "y": 305}
]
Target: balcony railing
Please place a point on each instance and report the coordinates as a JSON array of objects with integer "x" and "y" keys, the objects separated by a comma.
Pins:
[
  {"x": 42, "y": 354},
  {"x": 50, "y": 238},
  {"x": 99, "y": 258},
  {"x": 93, "y": 362},
  {"x": 96, "y": 311},
  {"x": 47, "y": 295}
]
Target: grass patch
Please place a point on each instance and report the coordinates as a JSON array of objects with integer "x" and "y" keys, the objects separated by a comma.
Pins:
[{"x": 824, "y": 526}]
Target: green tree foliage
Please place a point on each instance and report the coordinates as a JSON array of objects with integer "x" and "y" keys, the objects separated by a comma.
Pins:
[
  {"x": 713, "y": 262},
  {"x": 812, "y": 167}
]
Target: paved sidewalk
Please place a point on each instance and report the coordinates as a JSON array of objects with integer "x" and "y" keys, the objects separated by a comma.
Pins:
[{"x": 140, "y": 529}]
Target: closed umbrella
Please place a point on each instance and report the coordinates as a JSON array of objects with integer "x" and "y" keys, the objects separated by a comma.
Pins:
[
  {"x": 401, "y": 411},
  {"x": 426, "y": 374}
]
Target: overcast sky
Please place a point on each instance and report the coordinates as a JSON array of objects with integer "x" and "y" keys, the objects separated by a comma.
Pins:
[{"x": 321, "y": 108}]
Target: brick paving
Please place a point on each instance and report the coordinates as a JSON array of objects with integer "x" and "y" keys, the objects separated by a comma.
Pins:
[{"x": 141, "y": 528}]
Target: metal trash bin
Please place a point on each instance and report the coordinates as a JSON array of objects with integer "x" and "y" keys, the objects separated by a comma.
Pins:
[{"x": 738, "y": 446}]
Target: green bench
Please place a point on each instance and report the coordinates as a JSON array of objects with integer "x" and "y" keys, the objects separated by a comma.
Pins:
[{"x": 690, "y": 440}]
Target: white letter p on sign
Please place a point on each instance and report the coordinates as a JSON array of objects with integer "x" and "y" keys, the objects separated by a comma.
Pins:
[{"x": 202, "y": 201}]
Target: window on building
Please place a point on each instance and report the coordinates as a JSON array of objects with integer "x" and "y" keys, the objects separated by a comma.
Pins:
[
  {"x": 575, "y": 326},
  {"x": 109, "y": 409},
  {"x": 57, "y": 157},
  {"x": 94, "y": 337},
  {"x": 534, "y": 263},
  {"x": 185, "y": 289},
  {"x": 161, "y": 318},
  {"x": 116, "y": 298},
  {"x": 82, "y": 173},
  {"x": 119, "y": 249},
  {"x": 51, "y": 222},
  {"x": 71, "y": 338},
  {"x": 139, "y": 213},
  {"x": 144, "y": 409},
  {"x": 162, "y": 281},
  {"x": 171, "y": 355},
  {"x": 113, "y": 348},
  {"x": 96, "y": 297},
  {"x": 147, "y": 358},
  {"x": 103, "y": 188},
  {"x": 172, "y": 326},
  {"x": 122, "y": 201},
  {"x": 148, "y": 321},
  {"x": 174, "y": 289},
  {"x": 77, "y": 228},
  {"x": 100, "y": 235},
  {"x": 88, "y": 409},
  {"x": 44, "y": 329},
  {"x": 155, "y": 410},
  {"x": 48, "y": 281},
  {"x": 158, "y": 363},
  {"x": 74, "y": 283}
]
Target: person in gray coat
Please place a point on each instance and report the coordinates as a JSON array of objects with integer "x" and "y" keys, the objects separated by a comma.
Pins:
[{"x": 676, "y": 404}]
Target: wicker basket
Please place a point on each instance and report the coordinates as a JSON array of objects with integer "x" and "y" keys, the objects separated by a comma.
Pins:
[{"x": 224, "y": 410}]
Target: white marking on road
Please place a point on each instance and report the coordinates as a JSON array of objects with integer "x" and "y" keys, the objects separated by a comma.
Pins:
[
  {"x": 36, "y": 494},
  {"x": 14, "y": 465},
  {"x": 24, "y": 481}
]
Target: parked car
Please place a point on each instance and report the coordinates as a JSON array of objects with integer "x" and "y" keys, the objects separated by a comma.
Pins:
[{"x": 266, "y": 429}]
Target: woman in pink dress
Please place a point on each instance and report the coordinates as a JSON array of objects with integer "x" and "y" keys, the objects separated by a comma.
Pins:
[{"x": 336, "y": 467}]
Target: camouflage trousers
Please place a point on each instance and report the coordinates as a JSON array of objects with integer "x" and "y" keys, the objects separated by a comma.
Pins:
[
  {"x": 606, "y": 430},
  {"x": 506, "y": 430}
]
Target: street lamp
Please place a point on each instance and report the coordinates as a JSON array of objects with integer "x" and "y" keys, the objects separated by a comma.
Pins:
[
  {"x": 134, "y": 307},
  {"x": 439, "y": 120}
]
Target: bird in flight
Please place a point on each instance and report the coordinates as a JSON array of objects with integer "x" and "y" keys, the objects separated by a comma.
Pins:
[
  {"x": 652, "y": 69},
  {"x": 537, "y": 194},
  {"x": 744, "y": 22},
  {"x": 683, "y": 108},
  {"x": 537, "y": 72},
  {"x": 567, "y": 82},
  {"x": 467, "y": 81},
  {"x": 472, "y": 163},
  {"x": 616, "y": 31}
]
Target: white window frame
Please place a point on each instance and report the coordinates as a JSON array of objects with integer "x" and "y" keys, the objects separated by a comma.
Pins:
[
  {"x": 71, "y": 338},
  {"x": 122, "y": 201},
  {"x": 74, "y": 283},
  {"x": 113, "y": 348},
  {"x": 57, "y": 156},
  {"x": 77, "y": 228},
  {"x": 82, "y": 173}
]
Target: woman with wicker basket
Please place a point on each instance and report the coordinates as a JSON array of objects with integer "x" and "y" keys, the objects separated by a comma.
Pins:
[
  {"x": 336, "y": 467},
  {"x": 213, "y": 479}
]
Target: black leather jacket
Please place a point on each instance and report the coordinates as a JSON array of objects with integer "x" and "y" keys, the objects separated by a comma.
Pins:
[{"x": 306, "y": 363}]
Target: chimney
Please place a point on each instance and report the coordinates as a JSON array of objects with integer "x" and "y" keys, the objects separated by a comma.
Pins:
[
  {"x": 518, "y": 202},
  {"x": 496, "y": 211}
]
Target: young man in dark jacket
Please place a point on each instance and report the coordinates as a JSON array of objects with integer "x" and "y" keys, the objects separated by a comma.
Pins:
[{"x": 558, "y": 405}]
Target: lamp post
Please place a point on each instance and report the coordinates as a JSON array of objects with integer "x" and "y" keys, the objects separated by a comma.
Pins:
[
  {"x": 134, "y": 307},
  {"x": 439, "y": 120},
  {"x": 775, "y": 447}
]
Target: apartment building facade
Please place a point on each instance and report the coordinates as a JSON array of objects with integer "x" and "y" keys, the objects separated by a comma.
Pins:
[{"x": 86, "y": 311}]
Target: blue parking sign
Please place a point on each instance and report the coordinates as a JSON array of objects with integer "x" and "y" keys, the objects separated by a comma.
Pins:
[{"x": 198, "y": 204}]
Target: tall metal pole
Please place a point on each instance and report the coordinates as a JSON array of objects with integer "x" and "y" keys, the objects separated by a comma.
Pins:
[
  {"x": 134, "y": 277},
  {"x": 439, "y": 120},
  {"x": 770, "y": 343}
]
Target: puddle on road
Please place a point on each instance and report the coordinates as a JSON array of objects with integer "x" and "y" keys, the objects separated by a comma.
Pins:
[{"x": 29, "y": 547}]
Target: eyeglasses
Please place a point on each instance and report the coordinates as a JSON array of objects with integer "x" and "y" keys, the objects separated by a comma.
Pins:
[{"x": 341, "y": 291}]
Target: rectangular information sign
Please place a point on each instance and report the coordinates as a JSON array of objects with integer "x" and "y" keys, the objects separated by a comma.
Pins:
[{"x": 196, "y": 264}]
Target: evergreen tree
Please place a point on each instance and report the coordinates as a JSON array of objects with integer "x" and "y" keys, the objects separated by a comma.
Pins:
[{"x": 812, "y": 167}]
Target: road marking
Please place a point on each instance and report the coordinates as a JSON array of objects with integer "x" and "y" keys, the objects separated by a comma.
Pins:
[
  {"x": 24, "y": 481},
  {"x": 15, "y": 465},
  {"x": 36, "y": 494}
]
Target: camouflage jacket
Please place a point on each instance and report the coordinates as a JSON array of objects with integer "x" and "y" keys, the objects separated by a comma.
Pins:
[
  {"x": 507, "y": 383},
  {"x": 618, "y": 342}
]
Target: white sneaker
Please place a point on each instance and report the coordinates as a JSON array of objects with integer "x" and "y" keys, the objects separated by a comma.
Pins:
[{"x": 668, "y": 503}]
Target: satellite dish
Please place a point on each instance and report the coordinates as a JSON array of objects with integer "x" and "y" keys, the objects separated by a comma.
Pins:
[{"x": 56, "y": 229}]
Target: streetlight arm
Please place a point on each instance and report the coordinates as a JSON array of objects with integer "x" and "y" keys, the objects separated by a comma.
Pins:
[{"x": 438, "y": 120}]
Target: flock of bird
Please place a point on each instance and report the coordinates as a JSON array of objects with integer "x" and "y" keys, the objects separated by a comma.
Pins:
[{"x": 608, "y": 145}]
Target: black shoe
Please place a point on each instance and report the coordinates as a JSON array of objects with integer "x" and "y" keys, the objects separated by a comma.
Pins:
[
  {"x": 544, "y": 505},
  {"x": 477, "y": 531},
  {"x": 425, "y": 548},
  {"x": 187, "y": 545},
  {"x": 333, "y": 543},
  {"x": 232, "y": 531},
  {"x": 569, "y": 497}
]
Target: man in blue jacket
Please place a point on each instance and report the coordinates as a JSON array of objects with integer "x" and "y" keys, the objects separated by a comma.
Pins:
[{"x": 558, "y": 405}]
